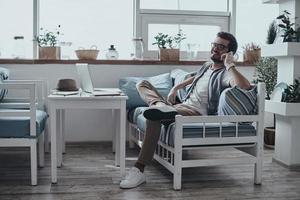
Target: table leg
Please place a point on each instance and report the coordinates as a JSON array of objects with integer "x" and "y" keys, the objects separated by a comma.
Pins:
[
  {"x": 59, "y": 137},
  {"x": 117, "y": 138},
  {"x": 63, "y": 113},
  {"x": 115, "y": 131},
  {"x": 122, "y": 137},
  {"x": 52, "y": 113}
]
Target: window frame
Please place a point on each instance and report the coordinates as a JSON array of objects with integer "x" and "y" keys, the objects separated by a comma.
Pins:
[{"x": 144, "y": 17}]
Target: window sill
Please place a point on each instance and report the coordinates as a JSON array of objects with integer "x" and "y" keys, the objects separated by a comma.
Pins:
[{"x": 110, "y": 62}]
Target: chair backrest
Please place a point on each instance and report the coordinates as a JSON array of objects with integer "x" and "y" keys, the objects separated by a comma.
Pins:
[{"x": 24, "y": 106}]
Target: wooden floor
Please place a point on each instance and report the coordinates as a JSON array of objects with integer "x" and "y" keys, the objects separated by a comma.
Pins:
[{"x": 88, "y": 173}]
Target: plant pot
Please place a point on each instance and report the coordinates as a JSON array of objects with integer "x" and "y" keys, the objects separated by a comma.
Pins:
[
  {"x": 252, "y": 56},
  {"x": 49, "y": 53},
  {"x": 169, "y": 54},
  {"x": 269, "y": 137}
]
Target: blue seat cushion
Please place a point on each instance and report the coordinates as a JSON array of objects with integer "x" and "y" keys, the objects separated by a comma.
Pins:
[
  {"x": 19, "y": 127},
  {"x": 162, "y": 82},
  {"x": 212, "y": 130},
  {"x": 4, "y": 74}
]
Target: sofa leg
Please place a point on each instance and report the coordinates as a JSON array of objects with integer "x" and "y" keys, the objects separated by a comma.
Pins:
[
  {"x": 130, "y": 131},
  {"x": 41, "y": 150},
  {"x": 177, "y": 176},
  {"x": 33, "y": 162},
  {"x": 177, "y": 179},
  {"x": 258, "y": 172}
]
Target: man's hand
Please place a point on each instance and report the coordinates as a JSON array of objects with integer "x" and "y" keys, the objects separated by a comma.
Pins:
[
  {"x": 228, "y": 60},
  {"x": 172, "y": 96}
]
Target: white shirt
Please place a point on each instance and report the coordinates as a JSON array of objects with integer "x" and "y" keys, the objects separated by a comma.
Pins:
[{"x": 198, "y": 98}]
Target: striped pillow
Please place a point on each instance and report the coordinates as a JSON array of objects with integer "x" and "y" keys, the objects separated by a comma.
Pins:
[
  {"x": 4, "y": 73},
  {"x": 237, "y": 101}
]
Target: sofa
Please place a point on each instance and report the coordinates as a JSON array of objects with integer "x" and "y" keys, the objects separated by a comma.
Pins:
[{"x": 239, "y": 124}]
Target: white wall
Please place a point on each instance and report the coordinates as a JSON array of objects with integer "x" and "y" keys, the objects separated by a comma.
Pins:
[{"x": 94, "y": 125}]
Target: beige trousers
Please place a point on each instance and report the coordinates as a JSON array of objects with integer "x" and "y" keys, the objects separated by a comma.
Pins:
[{"x": 152, "y": 132}]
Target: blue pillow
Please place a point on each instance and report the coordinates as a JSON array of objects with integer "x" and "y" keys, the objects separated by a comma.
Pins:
[
  {"x": 237, "y": 101},
  {"x": 162, "y": 82},
  {"x": 178, "y": 76},
  {"x": 4, "y": 73}
]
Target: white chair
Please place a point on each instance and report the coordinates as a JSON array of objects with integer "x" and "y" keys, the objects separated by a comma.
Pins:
[
  {"x": 23, "y": 121},
  {"x": 171, "y": 155}
]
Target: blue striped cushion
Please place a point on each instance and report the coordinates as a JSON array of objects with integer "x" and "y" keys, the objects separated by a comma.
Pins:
[
  {"x": 4, "y": 73},
  {"x": 212, "y": 130},
  {"x": 237, "y": 101}
]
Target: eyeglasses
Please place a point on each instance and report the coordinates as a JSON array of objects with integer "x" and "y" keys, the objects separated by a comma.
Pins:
[{"x": 218, "y": 46}]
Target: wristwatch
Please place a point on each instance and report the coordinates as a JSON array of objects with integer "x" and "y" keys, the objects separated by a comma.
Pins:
[{"x": 228, "y": 67}]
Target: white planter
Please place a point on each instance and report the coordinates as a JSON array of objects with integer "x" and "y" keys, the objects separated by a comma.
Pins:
[
  {"x": 281, "y": 49},
  {"x": 287, "y": 135},
  {"x": 282, "y": 108}
]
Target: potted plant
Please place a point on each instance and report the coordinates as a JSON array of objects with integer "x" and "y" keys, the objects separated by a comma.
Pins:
[
  {"x": 169, "y": 45},
  {"x": 292, "y": 93},
  {"x": 266, "y": 70},
  {"x": 286, "y": 26},
  {"x": 47, "y": 42},
  {"x": 252, "y": 52}
]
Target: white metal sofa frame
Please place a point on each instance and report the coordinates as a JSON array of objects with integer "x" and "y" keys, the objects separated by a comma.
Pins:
[
  {"x": 171, "y": 157},
  {"x": 15, "y": 108}
]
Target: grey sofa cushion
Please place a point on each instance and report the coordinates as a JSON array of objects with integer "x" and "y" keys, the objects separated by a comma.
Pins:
[
  {"x": 4, "y": 74},
  {"x": 19, "y": 127},
  {"x": 162, "y": 82},
  {"x": 211, "y": 130}
]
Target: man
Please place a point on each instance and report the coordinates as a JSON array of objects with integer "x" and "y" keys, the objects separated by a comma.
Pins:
[{"x": 202, "y": 99}]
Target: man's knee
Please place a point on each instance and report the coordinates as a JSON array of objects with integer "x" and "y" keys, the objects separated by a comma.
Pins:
[{"x": 143, "y": 83}]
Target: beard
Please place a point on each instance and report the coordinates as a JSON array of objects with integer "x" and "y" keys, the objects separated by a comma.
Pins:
[{"x": 216, "y": 60}]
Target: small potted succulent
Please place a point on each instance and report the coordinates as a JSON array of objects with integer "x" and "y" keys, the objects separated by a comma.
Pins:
[
  {"x": 252, "y": 53},
  {"x": 47, "y": 41},
  {"x": 169, "y": 45}
]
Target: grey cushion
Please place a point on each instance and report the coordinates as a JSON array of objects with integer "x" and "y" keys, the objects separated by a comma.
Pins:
[
  {"x": 4, "y": 74},
  {"x": 162, "y": 82},
  {"x": 236, "y": 101},
  {"x": 178, "y": 76},
  {"x": 211, "y": 130},
  {"x": 19, "y": 127}
]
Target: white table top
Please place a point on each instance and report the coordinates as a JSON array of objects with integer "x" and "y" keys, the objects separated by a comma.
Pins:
[{"x": 83, "y": 95}]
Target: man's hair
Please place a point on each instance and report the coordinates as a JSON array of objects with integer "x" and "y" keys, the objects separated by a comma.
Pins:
[{"x": 233, "y": 45}]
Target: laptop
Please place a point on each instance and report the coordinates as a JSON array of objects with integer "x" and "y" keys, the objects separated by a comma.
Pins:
[{"x": 87, "y": 84}]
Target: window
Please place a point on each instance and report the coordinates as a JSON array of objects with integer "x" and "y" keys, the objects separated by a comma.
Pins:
[
  {"x": 198, "y": 5},
  {"x": 252, "y": 26},
  {"x": 16, "y": 23},
  {"x": 171, "y": 16},
  {"x": 87, "y": 23}
]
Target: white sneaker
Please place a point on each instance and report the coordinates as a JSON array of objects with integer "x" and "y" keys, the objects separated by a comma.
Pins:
[{"x": 133, "y": 179}]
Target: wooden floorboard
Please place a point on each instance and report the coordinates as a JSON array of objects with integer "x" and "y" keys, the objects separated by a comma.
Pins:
[{"x": 88, "y": 172}]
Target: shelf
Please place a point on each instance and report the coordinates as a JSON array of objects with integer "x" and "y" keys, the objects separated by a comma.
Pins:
[
  {"x": 281, "y": 49},
  {"x": 282, "y": 108},
  {"x": 111, "y": 62}
]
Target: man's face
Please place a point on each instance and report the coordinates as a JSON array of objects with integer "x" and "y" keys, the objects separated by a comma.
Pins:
[{"x": 218, "y": 47}]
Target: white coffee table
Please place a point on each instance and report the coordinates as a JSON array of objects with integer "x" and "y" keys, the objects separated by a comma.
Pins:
[{"x": 58, "y": 103}]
